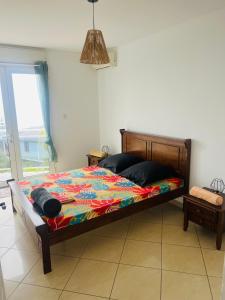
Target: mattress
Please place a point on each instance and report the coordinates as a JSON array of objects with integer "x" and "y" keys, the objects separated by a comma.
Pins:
[{"x": 95, "y": 191}]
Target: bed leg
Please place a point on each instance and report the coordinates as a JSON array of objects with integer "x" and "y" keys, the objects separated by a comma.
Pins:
[
  {"x": 46, "y": 257},
  {"x": 45, "y": 248},
  {"x": 11, "y": 194}
]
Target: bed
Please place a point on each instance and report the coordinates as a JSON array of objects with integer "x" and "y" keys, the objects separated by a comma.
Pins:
[{"x": 101, "y": 197}]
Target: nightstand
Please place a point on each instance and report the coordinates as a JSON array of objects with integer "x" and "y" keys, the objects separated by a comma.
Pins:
[
  {"x": 94, "y": 160},
  {"x": 205, "y": 214}
]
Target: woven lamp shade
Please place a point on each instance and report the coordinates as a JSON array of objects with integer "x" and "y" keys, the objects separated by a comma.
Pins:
[{"x": 94, "y": 51}]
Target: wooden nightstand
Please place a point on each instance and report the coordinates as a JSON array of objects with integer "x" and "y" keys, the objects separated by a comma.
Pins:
[
  {"x": 205, "y": 214},
  {"x": 94, "y": 160}
]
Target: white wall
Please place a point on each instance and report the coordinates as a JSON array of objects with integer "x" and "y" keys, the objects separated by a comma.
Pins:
[
  {"x": 74, "y": 105},
  {"x": 26, "y": 55},
  {"x": 73, "y": 101},
  {"x": 172, "y": 83}
]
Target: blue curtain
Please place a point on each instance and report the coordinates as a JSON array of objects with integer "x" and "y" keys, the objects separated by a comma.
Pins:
[{"x": 41, "y": 68}]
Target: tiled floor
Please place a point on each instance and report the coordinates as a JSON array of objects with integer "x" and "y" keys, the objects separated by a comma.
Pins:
[{"x": 146, "y": 256}]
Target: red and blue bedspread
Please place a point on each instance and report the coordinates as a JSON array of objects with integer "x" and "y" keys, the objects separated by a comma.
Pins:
[{"x": 95, "y": 191}]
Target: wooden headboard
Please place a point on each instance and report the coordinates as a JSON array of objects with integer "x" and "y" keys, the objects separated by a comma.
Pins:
[{"x": 168, "y": 151}]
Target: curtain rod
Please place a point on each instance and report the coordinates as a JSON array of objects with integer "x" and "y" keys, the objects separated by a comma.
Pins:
[{"x": 17, "y": 64}]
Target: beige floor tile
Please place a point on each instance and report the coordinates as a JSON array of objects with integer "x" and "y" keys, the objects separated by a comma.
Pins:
[
  {"x": 93, "y": 278},
  {"x": 7, "y": 213},
  {"x": 145, "y": 254},
  {"x": 9, "y": 235},
  {"x": 17, "y": 263},
  {"x": 214, "y": 261},
  {"x": 106, "y": 249},
  {"x": 26, "y": 242},
  {"x": 3, "y": 251},
  {"x": 216, "y": 287},
  {"x": 5, "y": 192},
  {"x": 182, "y": 259},
  {"x": 4, "y": 218},
  {"x": 173, "y": 234},
  {"x": 184, "y": 286},
  {"x": 152, "y": 215},
  {"x": 145, "y": 231},
  {"x": 10, "y": 286},
  {"x": 74, "y": 247},
  {"x": 16, "y": 221},
  {"x": 62, "y": 268},
  {"x": 13, "y": 220},
  {"x": 25, "y": 291},
  {"x": 116, "y": 229},
  {"x": 207, "y": 238},
  {"x": 172, "y": 215},
  {"x": 134, "y": 283},
  {"x": 74, "y": 296}
]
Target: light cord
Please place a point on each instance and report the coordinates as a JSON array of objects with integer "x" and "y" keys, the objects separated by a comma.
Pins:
[{"x": 93, "y": 15}]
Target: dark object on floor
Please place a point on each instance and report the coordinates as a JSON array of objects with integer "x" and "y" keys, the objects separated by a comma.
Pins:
[
  {"x": 205, "y": 214},
  {"x": 45, "y": 203},
  {"x": 2, "y": 205}
]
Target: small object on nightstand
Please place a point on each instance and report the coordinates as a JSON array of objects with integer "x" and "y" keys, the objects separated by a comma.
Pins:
[
  {"x": 105, "y": 149},
  {"x": 217, "y": 185},
  {"x": 94, "y": 160},
  {"x": 98, "y": 153},
  {"x": 205, "y": 214}
]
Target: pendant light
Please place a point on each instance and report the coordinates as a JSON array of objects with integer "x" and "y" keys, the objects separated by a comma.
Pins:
[{"x": 94, "y": 51}]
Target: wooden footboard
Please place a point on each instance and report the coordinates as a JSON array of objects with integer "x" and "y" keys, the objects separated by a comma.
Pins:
[
  {"x": 33, "y": 222},
  {"x": 46, "y": 238}
]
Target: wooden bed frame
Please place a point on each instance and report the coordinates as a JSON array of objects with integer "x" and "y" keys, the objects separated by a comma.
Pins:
[{"x": 169, "y": 151}]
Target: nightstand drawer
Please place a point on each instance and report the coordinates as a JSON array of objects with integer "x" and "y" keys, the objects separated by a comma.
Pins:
[
  {"x": 202, "y": 216},
  {"x": 202, "y": 212},
  {"x": 203, "y": 221}
]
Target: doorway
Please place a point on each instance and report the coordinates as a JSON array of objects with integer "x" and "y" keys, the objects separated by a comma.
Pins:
[{"x": 23, "y": 151}]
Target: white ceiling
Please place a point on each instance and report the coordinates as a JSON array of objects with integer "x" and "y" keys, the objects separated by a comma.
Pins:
[{"x": 63, "y": 23}]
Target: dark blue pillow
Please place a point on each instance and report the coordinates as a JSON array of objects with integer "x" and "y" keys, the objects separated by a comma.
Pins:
[
  {"x": 119, "y": 162},
  {"x": 147, "y": 172}
]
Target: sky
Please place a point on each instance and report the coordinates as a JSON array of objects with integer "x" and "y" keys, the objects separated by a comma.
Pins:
[
  {"x": 28, "y": 108},
  {"x": 27, "y": 105}
]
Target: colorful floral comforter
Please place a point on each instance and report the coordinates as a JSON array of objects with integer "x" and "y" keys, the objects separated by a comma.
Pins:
[{"x": 95, "y": 191}]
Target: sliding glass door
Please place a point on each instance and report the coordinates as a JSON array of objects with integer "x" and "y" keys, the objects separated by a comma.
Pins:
[
  {"x": 23, "y": 151},
  {"x": 5, "y": 164},
  {"x": 34, "y": 156},
  {"x": 5, "y": 157}
]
